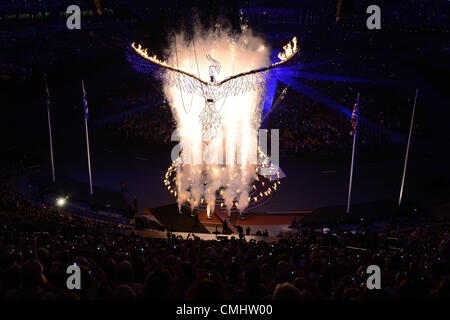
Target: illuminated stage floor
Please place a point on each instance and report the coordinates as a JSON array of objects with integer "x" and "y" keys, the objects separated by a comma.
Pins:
[{"x": 280, "y": 222}]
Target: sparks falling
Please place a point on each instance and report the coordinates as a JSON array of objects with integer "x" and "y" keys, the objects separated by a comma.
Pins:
[
  {"x": 215, "y": 83},
  {"x": 225, "y": 165}
]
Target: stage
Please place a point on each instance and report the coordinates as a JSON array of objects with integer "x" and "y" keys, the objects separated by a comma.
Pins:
[{"x": 312, "y": 186}]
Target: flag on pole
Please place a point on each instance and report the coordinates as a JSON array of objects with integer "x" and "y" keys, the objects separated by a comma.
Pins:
[
  {"x": 353, "y": 133},
  {"x": 85, "y": 105},
  {"x": 355, "y": 117}
]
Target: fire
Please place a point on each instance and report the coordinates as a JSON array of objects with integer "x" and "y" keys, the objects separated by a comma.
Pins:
[
  {"x": 289, "y": 50},
  {"x": 144, "y": 53}
]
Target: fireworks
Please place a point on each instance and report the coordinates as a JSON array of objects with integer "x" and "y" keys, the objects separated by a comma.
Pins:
[{"x": 218, "y": 131}]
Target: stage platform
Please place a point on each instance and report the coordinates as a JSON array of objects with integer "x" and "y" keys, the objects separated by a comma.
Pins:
[
  {"x": 279, "y": 222},
  {"x": 172, "y": 220}
]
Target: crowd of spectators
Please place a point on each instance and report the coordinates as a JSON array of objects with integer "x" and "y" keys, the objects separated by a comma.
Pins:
[
  {"x": 387, "y": 106},
  {"x": 309, "y": 127},
  {"x": 37, "y": 244},
  {"x": 150, "y": 124}
]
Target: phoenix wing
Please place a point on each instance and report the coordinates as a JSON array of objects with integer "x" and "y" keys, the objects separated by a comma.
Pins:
[
  {"x": 234, "y": 85},
  {"x": 181, "y": 79},
  {"x": 255, "y": 79}
]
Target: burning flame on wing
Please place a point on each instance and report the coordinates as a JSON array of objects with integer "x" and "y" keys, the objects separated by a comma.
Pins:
[
  {"x": 289, "y": 50},
  {"x": 144, "y": 54}
]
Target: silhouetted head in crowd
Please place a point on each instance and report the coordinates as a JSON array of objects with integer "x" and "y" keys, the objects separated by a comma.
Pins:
[
  {"x": 324, "y": 285},
  {"x": 32, "y": 275},
  {"x": 110, "y": 267},
  {"x": 157, "y": 285},
  {"x": 283, "y": 269},
  {"x": 252, "y": 277},
  {"x": 86, "y": 280},
  {"x": 123, "y": 292},
  {"x": 285, "y": 291},
  {"x": 409, "y": 289},
  {"x": 125, "y": 273},
  {"x": 12, "y": 277},
  {"x": 57, "y": 275},
  {"x": 207, "y": 290},
  {"x": 442, "y": 292}
]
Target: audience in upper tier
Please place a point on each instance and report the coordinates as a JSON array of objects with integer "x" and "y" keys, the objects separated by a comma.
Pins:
[
  {"x": 153, "y": 125},
  {"x": 305, "y": 126},
  {"x": 37, "y": 244}
]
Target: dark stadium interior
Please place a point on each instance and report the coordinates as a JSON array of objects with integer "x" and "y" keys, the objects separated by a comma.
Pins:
[{"x": 129, "y": 238}]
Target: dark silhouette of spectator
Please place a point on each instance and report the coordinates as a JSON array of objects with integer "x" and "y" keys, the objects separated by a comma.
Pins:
[
  {"x": 123, "y": 292},
  {"x": 286, "y": 291}
]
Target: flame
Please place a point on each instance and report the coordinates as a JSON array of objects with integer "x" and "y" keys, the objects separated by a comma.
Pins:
[
  {"x": 144, "y": 53},
  {"x": 289, "y": 50}
]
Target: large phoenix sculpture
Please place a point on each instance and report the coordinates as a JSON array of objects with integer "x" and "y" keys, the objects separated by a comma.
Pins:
[
  {"x": 215, "y": 185},
  {"x": 210, "y": 90}
]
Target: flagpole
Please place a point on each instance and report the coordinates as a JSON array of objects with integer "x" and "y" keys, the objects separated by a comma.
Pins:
[
  {"x": 50, "y": 129},
  {"x": 353, "y": 161},
  {"x": 87, "y": 138},
  {"x": 351, "y": 173},
  {"x": 407, "y": 149}
]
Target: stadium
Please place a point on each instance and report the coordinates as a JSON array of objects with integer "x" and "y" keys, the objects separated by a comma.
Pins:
[{"x": 242, "y": 151}]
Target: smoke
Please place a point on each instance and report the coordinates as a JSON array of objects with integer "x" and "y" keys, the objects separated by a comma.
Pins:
[{"x": 227, "y": 163}]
